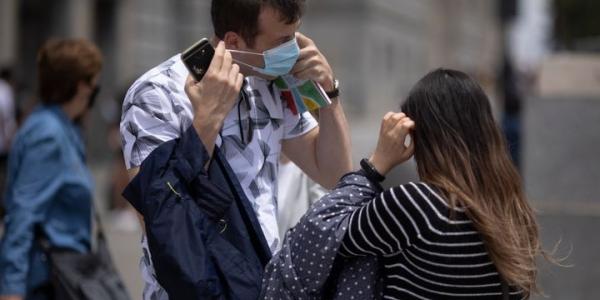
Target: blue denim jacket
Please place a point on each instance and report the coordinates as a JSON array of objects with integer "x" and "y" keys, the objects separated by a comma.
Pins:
[{"x": 48, "y": 185}]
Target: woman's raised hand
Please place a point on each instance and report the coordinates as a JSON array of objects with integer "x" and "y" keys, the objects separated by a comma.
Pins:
[{"x": 391, "y": 149}]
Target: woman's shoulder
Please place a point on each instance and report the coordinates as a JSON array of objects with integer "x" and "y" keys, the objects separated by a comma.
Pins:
[
  {"x": 41, "y": 126},
  {"x": 413, "y": 189},
  {"x": 425, "y": 195}
]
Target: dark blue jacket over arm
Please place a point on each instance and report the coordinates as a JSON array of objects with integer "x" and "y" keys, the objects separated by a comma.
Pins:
[{"x": 204, "y": 237}]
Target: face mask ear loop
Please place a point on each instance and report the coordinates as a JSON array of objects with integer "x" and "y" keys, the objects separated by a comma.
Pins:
[
  {"x": 243, "y": 63},
  {"x": 245, "y": 52},
  {"x": 247, "y": 65}
]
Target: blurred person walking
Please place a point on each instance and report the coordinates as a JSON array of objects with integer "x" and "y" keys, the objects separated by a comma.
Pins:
[
  {"x": 466, "y": 231},
  {"x": 49, "y": 185},
  {"x": 8, "y": 125}
]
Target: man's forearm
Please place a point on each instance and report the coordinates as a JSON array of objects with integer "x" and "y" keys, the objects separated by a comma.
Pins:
[{"x": 333, "y": 149}]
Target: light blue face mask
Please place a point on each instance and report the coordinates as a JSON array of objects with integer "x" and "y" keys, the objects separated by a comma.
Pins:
[{"x": 278, "y": 61}]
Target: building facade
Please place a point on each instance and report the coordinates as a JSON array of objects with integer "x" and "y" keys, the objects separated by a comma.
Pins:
[{"x": 378, "y": 48}]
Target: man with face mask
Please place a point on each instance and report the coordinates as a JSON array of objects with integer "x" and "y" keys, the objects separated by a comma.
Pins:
[{"x": 243, "y": 117}]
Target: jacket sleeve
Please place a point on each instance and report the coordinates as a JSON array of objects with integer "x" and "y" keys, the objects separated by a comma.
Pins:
[
  {"x": 303, "y": 266},
  {"x": 184, "y": 158},
  {"x": 179, "y": 205},
  {"x": 31, "y": 191}
]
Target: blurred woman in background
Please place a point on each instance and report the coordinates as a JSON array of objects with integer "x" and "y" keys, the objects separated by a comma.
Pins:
[{"x": 49, "y": 187}]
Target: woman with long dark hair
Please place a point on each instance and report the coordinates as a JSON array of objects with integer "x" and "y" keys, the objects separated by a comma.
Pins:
[{"x": 464, "y": 231}]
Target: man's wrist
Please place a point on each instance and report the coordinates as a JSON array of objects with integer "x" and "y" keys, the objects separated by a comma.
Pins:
[
  {"x": 328, "y": 84},
  {"x": 206, "y": 123},
  {"x": 209, "y": 121},
  {"x": 196, "y": 148},
  {"x": 334, "y": 108},
  {"x": 207, "y": 129},
  {"x": 334, "y": 91}
]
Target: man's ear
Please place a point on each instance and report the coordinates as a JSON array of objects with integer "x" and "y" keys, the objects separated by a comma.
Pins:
[{"x": 234, "y": 41}]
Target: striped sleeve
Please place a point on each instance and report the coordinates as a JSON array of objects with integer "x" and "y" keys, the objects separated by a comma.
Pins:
[{"x": 383, "y": 226}]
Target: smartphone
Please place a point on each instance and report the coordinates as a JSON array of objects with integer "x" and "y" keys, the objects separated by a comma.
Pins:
[{"x": 197, "y": 58}]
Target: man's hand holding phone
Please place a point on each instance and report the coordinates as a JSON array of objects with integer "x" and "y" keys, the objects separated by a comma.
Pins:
[{"x": 215, "y": 95}]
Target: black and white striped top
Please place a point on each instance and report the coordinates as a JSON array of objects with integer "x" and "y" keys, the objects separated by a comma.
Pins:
[{"x": 427, "y": 254}]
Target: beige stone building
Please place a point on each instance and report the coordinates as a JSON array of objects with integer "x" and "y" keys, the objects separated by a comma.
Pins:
[{"x": 378, "y": 48}]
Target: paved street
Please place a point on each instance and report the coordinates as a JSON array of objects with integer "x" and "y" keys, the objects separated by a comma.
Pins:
[{"x": 126, "y": 251}]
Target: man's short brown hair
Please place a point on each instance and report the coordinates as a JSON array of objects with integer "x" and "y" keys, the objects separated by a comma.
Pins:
[
  {"x": 62, "y": 64},
  {"x": 241, "y": 16}
]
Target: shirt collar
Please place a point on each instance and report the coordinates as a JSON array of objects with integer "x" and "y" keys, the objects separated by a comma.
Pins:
[{"x": 72, "y": 130}]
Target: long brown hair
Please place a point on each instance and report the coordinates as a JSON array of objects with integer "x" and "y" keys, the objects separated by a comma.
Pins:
[{"x": 460, "y": 149}]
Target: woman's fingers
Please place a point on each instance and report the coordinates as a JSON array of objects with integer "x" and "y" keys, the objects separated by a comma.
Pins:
[
  {"x": 410, "y": 149},
  {"x": 396, "y": 124},
  {"x": 391, "y": 120},
  {"x": 388, "y": 115},
  {"x": 404, "y": 126},
  {"x": 401, "y": 131}
]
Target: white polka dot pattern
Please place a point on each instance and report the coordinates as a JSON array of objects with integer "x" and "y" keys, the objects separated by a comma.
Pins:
[{"x": 301, "y": 269}]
